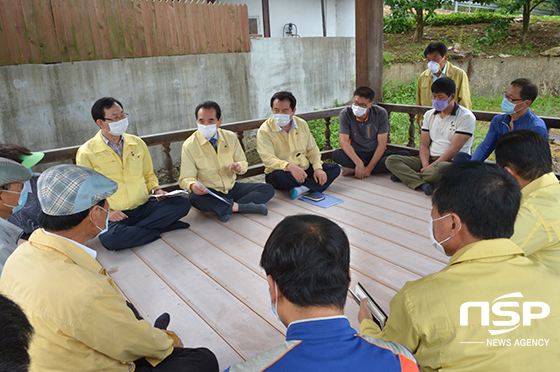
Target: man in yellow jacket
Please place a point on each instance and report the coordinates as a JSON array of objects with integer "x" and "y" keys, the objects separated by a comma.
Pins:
[
  {"x": 125, "y": 159},
  {"x": 438, "y": 67},
  {"x": 526, "y": 155},
  {"x": 292, "y": 160},
  {"x": 81, "y": 320},
  {"x": 210, "y": 162},
  {"x": 491, "y": 308}
]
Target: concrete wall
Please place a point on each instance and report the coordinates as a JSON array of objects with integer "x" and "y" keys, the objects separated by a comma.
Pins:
[
  {"x": 48, "y": 106},
  {"x": 489, "y": 77}
]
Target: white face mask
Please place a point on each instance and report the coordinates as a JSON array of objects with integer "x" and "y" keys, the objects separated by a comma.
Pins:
[
  {"x": 101, "y": 231},
  {"x": 118, "y": 127},
  {"x": 433, "y": 67},
  {"x": 282, "y": 119},
  {"x": 438, "y": 245},
  {"x": 207, "y": 131},
  {"x": 359, "y": 111}
]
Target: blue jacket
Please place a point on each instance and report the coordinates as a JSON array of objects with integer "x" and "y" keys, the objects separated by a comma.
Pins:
[
  {"x": 500, "y": 126},
  {"x": 330, "y": 344}
]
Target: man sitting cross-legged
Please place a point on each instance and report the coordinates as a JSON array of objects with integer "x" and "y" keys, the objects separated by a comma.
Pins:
[
  {"x": 363, "y": 134},
  {"x": 307, "y": 263},
  {"x": 125, "y": 159},
  {"x": 447, "y": 129},
  {"x": 211, "y": 159},
  {"x": 291, "y": 158}
]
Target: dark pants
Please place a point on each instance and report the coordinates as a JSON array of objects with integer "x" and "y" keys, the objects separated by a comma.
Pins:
[
  {"x": 283, "y": 180},
  {"x": 144, "y": 223},
  {"x": 182, "y": 360},
  {"x": 241, "y": 193},
  {"x": 341, "y": 158},
  {"x": 461, "y": 156}
]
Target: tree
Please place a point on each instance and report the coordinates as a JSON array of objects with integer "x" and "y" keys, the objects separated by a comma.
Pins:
[
  {"x": 420, "y": 10},
  {"x": 526, "y": 6}
]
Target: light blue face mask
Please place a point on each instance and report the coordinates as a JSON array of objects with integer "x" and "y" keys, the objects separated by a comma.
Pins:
[
  {"x": 509, "y": 107},
  {"x": 22, "y": 198},
  {"x": 274, "y": 306}
]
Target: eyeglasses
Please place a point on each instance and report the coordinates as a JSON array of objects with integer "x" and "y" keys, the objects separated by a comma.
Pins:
[
  {"x": 121, "y": 117},
  {"x": 362, "y": 105},
  {"x": 511, "y": 99}
]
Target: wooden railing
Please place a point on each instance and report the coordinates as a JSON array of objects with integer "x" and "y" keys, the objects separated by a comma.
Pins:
[{"x": 165, "y": 139}]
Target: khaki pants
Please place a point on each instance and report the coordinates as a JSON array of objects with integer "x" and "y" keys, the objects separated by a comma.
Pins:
[{"x": 407, "y": 169}]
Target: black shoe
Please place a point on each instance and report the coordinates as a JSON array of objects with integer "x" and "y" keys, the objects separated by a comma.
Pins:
[
  {"x": 428, "y": 189},
  {"x": 162, "y": 322},
  {"x": 395, "y": 178},
  {"x": 177, "y": 225}
]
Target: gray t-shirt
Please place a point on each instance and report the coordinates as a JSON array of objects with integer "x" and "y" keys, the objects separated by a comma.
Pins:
[{"x": 363, "y": 136}]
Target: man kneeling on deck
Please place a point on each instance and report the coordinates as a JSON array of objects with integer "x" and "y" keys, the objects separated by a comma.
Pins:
[
  {"x": 307, "y": 263},
  {"x": 81, "y": 320},
  {"x": 456, "y": 319},
  {"x": 447, "y": 129},
  {"x": 211, "y": 159}
]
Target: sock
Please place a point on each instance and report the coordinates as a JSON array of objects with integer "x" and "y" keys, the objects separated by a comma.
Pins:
[
  {"x": 297, "y": 191},
  {"x": 224, "y": 217},
  {"x": 162, "y": 322},
  {"x": 175, "y": 226},
  {"x": 252, "y": 208}
]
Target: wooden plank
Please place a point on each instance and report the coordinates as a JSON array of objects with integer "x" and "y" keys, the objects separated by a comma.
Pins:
[
  {"x": 189, "y": 23},
  {"x": 9, "y": 30},
  {"x": 5, "y": 53},
  {"x": 83, "y": 47},
  {"x": 226, "y": 314},
  {"x": 245, "y": 29},
  {"x": 110, "y": 23},
  {"x": 140, "y": 39},
  {"x": 152, "y": 296},
  {"x": 29, "y": 20},
  {"x": 180, "y": 19},
  {"x": 99, "y": 27},
  {"x": 147, "y": 8},
  {"x": 415, "y": 242},
  {"x": 126, "y": 29},
  {"x": 68, "y": 32},
  {"x": 159, "y": 33},
  {"x": 92, "y": 38},
  {"x": 174, "y": 28},
  {"x": 21, "y": 32},
  {"x": 396, "y": 190},
  {"x": 246, "y": 285},
  {"x": 48, "y": 38}
]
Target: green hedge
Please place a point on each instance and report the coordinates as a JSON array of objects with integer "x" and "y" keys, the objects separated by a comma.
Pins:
[{"x": 395, "y": 25}]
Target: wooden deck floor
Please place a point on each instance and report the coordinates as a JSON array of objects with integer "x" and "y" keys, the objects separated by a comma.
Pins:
[{"x": 208, "y": 277}]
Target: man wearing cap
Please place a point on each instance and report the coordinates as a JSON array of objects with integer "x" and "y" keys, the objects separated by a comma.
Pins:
[
  {"x": 26, "y": 217},
  {"x": 12, "y": 191},
  {"x": 81, "y": 319},
  {"x": 125, "y": 159}
]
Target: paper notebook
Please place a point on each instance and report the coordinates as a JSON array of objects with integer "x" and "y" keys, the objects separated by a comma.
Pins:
[{"x": 325, "y": 203}]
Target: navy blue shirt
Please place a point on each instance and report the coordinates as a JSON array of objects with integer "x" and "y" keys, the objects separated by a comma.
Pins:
[{"x": 500, "y": 126}]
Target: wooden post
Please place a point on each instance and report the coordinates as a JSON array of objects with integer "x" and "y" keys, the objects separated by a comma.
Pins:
[
  {"x": 389, "y": 120},
  {"x": 323, "y": 17},
  {"x": 328, "y": 145},
  {"x": 266, "y": 18},
  {"x": 168, "y": 163},
  {"x": 411, "y": 130},
  {"x": 369, "y": 45},
  {"x": 240, "y": 137}
]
